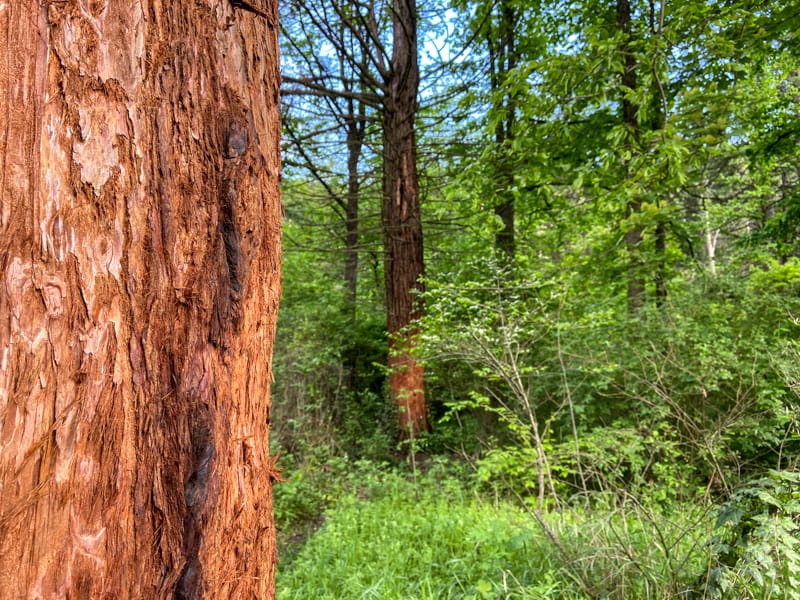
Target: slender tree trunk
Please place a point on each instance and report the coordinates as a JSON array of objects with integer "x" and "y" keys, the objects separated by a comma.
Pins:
[
  {"x": 355, "y": 140},
  {"x": 402, "y": 227},
  {"x": 710, "y": 238},
  {"x": 659, "y": 123},
  {"x": 503, "y": 59},
  {"x": 630, "y": 112},
  {"x": 355, "y": 121},
  {"x": 660, "y": 276},
  {"x": 660, "y": 240},
  {"x": 356, "y": 128},
  {"x": 139, "y": 255}
]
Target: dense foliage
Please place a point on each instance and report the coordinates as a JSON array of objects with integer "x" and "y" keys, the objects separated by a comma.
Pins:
[{"x": 626, "y": 360}]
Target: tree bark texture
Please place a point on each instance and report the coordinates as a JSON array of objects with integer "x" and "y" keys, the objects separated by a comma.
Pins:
[
  {"x": 402, "y": 226},
  {"x": 139, "y": 283}
]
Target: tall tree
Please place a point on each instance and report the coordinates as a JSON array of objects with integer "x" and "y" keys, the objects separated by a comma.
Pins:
[
  {"x": 402, "y": 224},
  {"x": 331, "y": 101},
  {"x": 379, "y": 76},
  {"x": 630, "y": 120},
  {"x": 336, "y": 93},
  {"x": 503, "y": 57},
  {"x": 658, "y": 122},
  {"x": 139, "y": 250}
]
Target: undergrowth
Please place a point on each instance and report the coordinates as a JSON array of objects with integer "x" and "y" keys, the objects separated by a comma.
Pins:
[{"x": 390, "y": 537}]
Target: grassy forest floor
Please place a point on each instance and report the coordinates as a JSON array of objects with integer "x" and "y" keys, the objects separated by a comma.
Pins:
[{"x": 364, "y": 529}]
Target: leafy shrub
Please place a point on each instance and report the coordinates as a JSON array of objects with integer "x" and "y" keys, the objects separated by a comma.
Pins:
[{"x": 757, "y": 541}]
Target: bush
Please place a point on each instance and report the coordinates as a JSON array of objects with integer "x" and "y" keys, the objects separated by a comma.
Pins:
[{"x": 756, "y": 544}]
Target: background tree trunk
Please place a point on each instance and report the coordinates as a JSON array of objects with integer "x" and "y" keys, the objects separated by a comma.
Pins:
[
  {"x": 630, "y": 118},
  {"x": 502, "y": 61},
  {"x": 402, "y": 224},
  {"x": 356, "y": 124},
  {"x": 139, "y": 254}
]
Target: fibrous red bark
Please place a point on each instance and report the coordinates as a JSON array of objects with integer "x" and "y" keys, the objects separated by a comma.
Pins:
[
  {"x": 139, "y": 282},
  {"x": 402, "y": 225}
]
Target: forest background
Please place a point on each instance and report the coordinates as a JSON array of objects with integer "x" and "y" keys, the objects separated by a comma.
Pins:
[{"x": 605, "y": 306}]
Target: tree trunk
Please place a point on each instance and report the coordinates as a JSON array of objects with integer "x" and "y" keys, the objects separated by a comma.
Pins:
[
  {"x": 660, "y": 277},
  {"x": 355, "y": 142},
  {"x": 630, "y": 118},
  {"x": 402, "y": 227},
  {"x": 503, "y": 60},
  {"x": 659, "y": 123},
  {"x": 356, "y": 127},
  {"x": 355, "y": 124},
  {"x": 139, "y": 254}
]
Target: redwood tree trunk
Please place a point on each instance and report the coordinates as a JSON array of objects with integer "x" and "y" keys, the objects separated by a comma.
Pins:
[
  {"x": 402, "y": 227},
  {"x": 139, "y": 255}
]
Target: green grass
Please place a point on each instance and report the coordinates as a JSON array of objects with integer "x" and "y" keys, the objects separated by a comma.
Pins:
[
  {"x": 417, "y": 547},
  {"x": 392, "y": 539}
]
